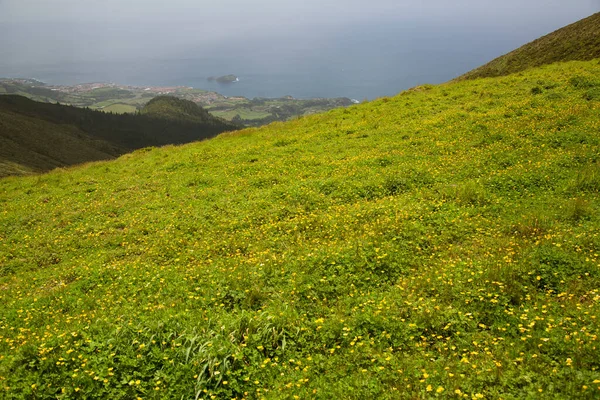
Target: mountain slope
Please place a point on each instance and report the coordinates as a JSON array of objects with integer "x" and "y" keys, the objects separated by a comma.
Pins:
[
  {"x": 578, "y": 41},
  {"x": 443, "y": 242},
  {"x": 33, "y": 145},
  {"x": 40, "y": 136},
  {"x": 58, "y": 146}
]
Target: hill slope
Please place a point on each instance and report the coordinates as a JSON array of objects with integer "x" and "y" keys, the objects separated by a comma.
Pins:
[
  {"x": 578, "y": 41},
  {"x": 173, "y": 108},
  {"x": 30, "y": 145},
  {"x": 40, "y": 136},
  {"x": 441, "y": 243}
]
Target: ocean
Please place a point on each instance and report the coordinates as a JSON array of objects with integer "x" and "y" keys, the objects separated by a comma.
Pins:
[
  {"x": 352, "y": 80},
  {"x": 359, "y": 64}
]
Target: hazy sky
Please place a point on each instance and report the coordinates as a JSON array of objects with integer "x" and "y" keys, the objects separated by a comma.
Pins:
[{"x": 267, "y": 33}]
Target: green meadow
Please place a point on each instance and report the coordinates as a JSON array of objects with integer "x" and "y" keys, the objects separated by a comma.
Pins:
[
  {"x": 442, "y": 243},
  {"x": 244, "y": 114}
]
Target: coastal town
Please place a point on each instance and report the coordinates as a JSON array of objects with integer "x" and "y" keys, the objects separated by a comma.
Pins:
[{"x": 120, "y": 98}]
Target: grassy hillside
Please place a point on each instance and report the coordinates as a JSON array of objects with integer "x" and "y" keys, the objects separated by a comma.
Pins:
[
  {"x": 578, "y": 41},
  {"x": 38, "y": 136},
  {"x": 443, "y": 243}
]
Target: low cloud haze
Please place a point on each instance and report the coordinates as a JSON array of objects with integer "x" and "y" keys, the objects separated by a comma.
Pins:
[{"x": 268, "y": 35}]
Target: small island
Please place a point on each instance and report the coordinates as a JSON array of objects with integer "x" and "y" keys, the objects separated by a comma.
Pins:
[{"x": 224, "y": 79}]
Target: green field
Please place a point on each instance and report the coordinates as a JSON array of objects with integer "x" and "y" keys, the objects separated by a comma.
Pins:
[
  {"x": 243, "y": 113},
  {"x": 442, "y": 243},
  {"x": 120, "y": 108}
]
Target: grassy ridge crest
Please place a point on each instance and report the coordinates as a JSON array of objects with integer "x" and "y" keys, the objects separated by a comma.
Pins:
[{"x": 578, "y": 41}]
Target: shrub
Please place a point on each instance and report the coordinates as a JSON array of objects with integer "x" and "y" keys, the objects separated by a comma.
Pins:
[
  {"x": 536, "y": 90},
  {"x": 583, "y": 82},
  {"x": 592, "y": 94}
]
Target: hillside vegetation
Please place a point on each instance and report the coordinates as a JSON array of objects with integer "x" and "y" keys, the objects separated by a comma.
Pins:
[
  {"x": 441, "y": 243},
  {"x": 37, "y": 137},
  {"x": 170, "y": 107},
  {"x": 29, "y": 145},
  {"x": 578, "y": 41}
]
